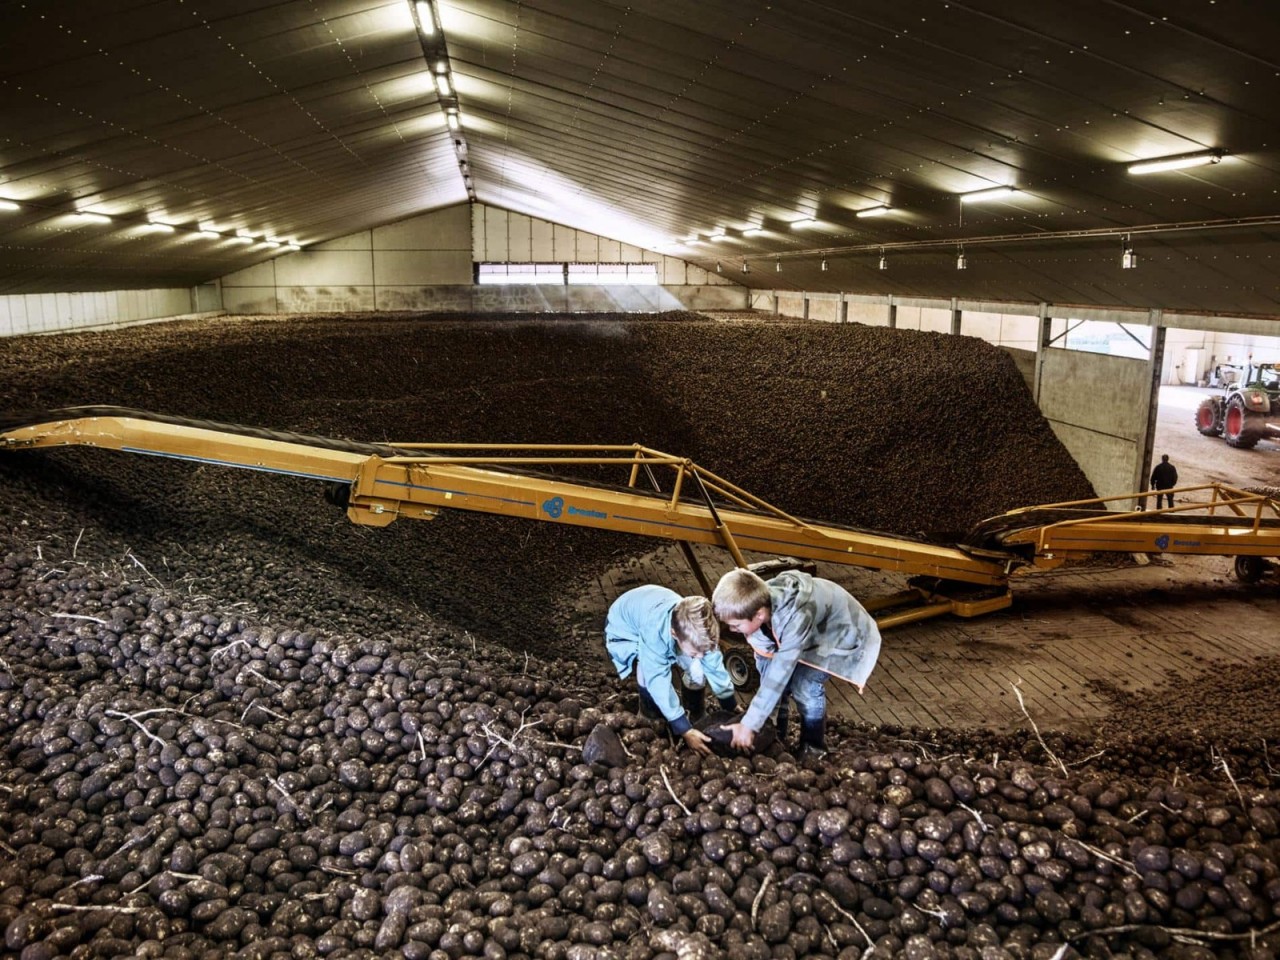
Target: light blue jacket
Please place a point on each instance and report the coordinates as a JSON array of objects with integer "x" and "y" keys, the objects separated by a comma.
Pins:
[
  {"x": 638, "y": 633},
  {"x": 818, "y": 623}
]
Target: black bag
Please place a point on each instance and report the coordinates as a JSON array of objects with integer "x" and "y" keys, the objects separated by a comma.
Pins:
[{"x": 713, "y": 725}]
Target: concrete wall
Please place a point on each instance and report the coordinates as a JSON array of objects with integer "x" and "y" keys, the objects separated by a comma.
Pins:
[
  {"x": 1097, "y": 406},
  {"x": 56, "y": 312},
  {"x": 425, "y": 263}
]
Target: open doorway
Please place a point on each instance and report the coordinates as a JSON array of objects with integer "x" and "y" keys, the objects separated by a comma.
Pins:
[{"x": 1198, "y": 365}]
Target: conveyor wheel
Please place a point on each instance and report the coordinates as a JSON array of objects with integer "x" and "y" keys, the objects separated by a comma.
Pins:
[{"x": 1250, "y": 569}]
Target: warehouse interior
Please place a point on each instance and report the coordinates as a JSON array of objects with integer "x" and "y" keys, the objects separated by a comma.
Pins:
[{"x": 890, "y": 273}]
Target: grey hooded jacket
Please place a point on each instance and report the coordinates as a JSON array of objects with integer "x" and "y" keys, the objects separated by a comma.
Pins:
[{"x": 818, "y": 623}]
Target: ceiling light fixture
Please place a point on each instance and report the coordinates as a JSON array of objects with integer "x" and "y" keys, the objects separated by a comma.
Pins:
[
  {"x": 879, "y": 211},
  {"x": 777, "y": 266},
  {"x": 8, "y": 205},
  {"x": 994, "y": 193},
  {"x": 1128, "y": 259},
  {"x": 442, "y": 85},
  {"x": 1177, "y": 163},
  {"x": 454, "y": 122},
  {"x": 426, "y": 21},
  {"x": 884, "y": 261},
  {"x": 718, "y": 235},
  {"x": 824, "y": 264},
  {"x": 745, "y": 268},
  {"x": 159, "y": 227},
  {"x": 718, "y": 270},
  {"x": 804, "y": 222},
  {"x": 753, "y": 231},
  {"x": 210, "y": 233},
  {"x": 961, "y": 262},
  {"x": 94, "y": 217}
]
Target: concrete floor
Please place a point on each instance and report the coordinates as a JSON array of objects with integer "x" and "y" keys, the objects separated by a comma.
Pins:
[{"x": 1071, "y": 636}]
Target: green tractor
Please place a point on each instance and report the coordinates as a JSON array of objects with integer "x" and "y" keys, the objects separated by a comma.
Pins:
[{"x": 1248, "y": 412}]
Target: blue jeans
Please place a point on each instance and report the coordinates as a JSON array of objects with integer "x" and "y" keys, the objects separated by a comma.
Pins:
[{"x": 807, "y": 686}]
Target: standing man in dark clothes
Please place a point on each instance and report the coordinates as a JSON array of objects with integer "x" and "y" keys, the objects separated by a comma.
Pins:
[{"x": 1164, "y": 477}]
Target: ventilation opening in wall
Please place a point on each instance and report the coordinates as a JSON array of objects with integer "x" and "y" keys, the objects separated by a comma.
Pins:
[{"x": 568, "y": 273}]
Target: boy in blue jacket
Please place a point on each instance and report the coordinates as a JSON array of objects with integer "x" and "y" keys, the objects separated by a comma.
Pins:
[
  {"x": 804, "y": 630},
  {"x": 651, "y": 630}
]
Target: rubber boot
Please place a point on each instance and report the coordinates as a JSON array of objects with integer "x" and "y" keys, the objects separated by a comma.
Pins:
[
  {"x": 648, "y": 706},
  {"x": 695, "y": 703},
  {"x": 813, "y": 738}
]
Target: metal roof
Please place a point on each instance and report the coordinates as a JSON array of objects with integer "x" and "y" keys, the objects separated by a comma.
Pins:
[{"x": 657, "y": 122}]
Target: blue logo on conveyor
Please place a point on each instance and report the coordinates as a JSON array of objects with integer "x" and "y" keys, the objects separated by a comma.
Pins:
[
  {"x": 1162, "y": 541},
  {"x": 554, "y": 507}
]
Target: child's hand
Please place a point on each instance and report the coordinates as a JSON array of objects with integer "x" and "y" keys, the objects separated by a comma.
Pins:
[
  {"x": 698, "y": 742},
  {"x": 743, "y": 736}
]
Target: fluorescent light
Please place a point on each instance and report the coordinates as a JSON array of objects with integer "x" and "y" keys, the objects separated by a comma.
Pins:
[
  {"x": 210, "y": 233},
  {"x": 241, "y": 238},
  {"x": 454, "y": 123},
  {"x": 8, "y": 205},
  {"x": 718, "y": 235},
  {"x": 753, "y": 232},
  {"x": 94, "y": 217},
  {"x": 1177, "y": 163},
  {"x": 442, "y": 85},
  {"x": 804, "y": 222},
  {"x": 293, "y": 246},
  {"x": 160, "y": 227},
  {"x": 879, "y": 211},
  {"x": 426, "y": 22},
  {"x": 995, "y": 193}
]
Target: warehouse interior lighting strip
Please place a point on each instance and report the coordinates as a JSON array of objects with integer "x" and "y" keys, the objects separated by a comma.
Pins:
[
  {"x": 994, "y": 193},
  {"x": 1181, "y": 162},
  {"x": 436, "y": 54},
  {"x": 1189, "y": 226}
]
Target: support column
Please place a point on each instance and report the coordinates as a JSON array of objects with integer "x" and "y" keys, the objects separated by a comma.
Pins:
[
  {"x": 893, "y": 314},
  {"x": 1042, "y": 344},
  {"x": 1155, "y": 363},
  {"x": 844, "y": 309},
  {"x": 955, "y": 318},
  {"x": 805, "y": 312}
]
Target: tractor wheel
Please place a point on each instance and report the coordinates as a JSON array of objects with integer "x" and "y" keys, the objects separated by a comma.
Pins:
[
  {"x": 1207, "y": 421},
  {"x": 1240, "y": 428},
  {"x": 740, "y": 669},
  {"x": 1250, "y": 569}
]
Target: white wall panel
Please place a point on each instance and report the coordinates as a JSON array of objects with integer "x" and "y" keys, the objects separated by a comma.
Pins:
[
  {"x": 519, "y": 238},
  {"x": 447, "y": 229},
  {"x": 586, "y": 247},
  {"x": 325, "y": 268},
  {"x": 56, "y": 312},
  {"x": 352, "y": 241},
  {"x": 938, "y": 321},
  {"x": 871, "y": 314},
  {"x": 259, "y": 275},
  {"x": 496, "y": 245},
  {"x": 544, "y": 246},
  {"x": 566, "y": 243},
  {"x": 401, "y": 268}
]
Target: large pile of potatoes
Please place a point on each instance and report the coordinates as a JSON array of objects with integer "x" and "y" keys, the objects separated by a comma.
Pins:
[{"x": 232, "y": 724}]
